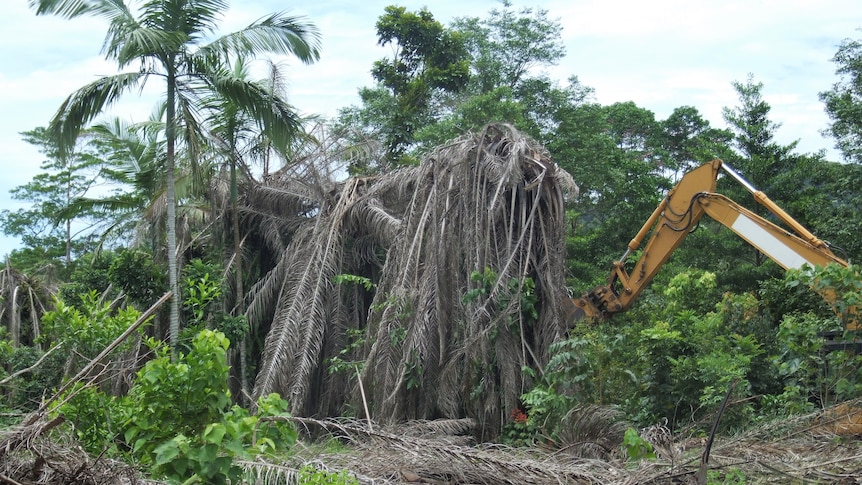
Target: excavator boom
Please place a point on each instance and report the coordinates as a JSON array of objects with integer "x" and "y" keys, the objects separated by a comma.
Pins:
[{"x": 676, "y": 216}]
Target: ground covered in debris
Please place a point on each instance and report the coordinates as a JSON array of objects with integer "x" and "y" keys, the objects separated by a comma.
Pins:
[{"x": 815, "y": 448}]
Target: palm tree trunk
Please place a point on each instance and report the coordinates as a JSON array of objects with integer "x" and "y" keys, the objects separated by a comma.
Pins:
[
  {"x": 240, "y": 287},
  {"x": 170, "y": 134},
  {"x": 68, "y": 242},
  {"x": 68, "y": 219}
]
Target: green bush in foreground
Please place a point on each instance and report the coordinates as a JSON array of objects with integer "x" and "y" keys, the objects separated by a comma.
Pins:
[{"x": 178, "y": 419}]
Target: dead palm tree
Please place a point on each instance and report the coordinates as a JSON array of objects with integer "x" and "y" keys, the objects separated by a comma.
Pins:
[
  {"x": 490, "y": 201},
  {"x": 24, "y": 300}
]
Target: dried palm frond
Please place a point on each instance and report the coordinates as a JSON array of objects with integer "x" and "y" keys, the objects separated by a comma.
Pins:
[
  {"x": 795, "y": 450},
  {"x": 487, "y": 204},
  {"x": 395, "y": 457},
  {"x": 37, "y": 451},
  {"x": 592, "y": 431}
]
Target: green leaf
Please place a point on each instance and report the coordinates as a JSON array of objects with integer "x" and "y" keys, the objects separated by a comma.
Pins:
[
  {"x": 214, "y": 433},
  {"x": 139, "y": 444},
  {"x": 130, "y": 433},
  {"x": 165, "y": 452}
]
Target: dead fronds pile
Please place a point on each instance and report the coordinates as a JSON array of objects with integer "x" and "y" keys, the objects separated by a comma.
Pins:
[
  {"x": 466, "y": 255},
  {"x": 799, "y": 450},
  {"x": 40, "y": 451},
  {"x": 400, "y": 455}
]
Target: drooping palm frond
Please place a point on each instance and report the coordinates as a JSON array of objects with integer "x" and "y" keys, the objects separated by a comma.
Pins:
[
  {"x": 75, "y": 8},
  {"x": 86, "y": 103},
  {"x": 492, "y": 201},
  {"x": 307, "y": 302},
  {"x": 277, "y": 33},
  {"x": 482, "y": 216},
  {"x": 277, "y": 119},
  {"x": 23, "y": 301}
]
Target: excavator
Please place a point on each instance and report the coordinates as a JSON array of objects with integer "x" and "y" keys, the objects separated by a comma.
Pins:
[{"x": 677, "y": 215}]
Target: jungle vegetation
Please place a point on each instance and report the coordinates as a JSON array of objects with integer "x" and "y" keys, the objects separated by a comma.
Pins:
[{"x": 406, "y": 260}]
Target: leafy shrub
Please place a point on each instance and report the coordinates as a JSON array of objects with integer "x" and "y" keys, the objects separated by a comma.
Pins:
[
  {"x": 178, "y": 419},
  {"x": 26, "y": 391},
  {"x": 671, "y": 359},
  {"x": 92, "y": 413},
  {"x": 88, "y": 328},
  {"x": 139, "y": 277},
  {"x": 210, "y": 455},
  {"x": 840, "y": 286},
  {"x": 179, "y": 397},
  {"x": 520, "y": 431},
  {"x": 131, "y": 271},
  {"x": 812, "y": 376},
  {"x": 637, "y": 448},
  {"x": 308, "y": 475},
  {"x": 201, "y": 290}
]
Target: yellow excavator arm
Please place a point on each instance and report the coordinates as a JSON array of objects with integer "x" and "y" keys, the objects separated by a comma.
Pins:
[{"x": 676, "y": 216}]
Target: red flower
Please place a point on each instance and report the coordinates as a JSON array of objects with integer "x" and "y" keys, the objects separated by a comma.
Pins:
[{"x": 518, "y": 416}]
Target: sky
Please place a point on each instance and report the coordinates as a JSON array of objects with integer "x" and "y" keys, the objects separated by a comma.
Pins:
[{"x": 660, "y": 54}]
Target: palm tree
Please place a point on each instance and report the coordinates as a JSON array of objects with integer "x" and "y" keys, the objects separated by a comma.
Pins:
[
  {"x": 167, "y": 39},
  {"x": 238, "y": 139},
  {"x": 135, "y": 156}
]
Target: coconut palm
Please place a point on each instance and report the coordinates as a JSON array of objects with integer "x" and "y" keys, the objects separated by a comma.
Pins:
[{"x": 167, "y": 39}]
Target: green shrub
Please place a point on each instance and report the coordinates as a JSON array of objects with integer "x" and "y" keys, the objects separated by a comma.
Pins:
[
  {"x": 811, "y": 375},
  {"x": 92, "y": 413},
  {"x": 88, "y": 328},
  {"x": 178, "y": 419},
  {"x": 635, "y": 447},
  {"x": 209, "y": 457},
  {"x": 178, "y": 397},
  {"x": 308, "y": 475}
]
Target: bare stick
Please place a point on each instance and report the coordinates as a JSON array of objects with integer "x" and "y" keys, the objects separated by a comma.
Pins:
[
  {"x": 700, "y": 477},
  {"x": 364, "y": 401},
  {"x": 28, "y": 369}
]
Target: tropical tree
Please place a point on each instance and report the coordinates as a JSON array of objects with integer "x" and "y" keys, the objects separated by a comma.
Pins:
[
  {"x": 609, "y": 150},
  {"x": 764, "y": 163},
  {"x": 761, "y": 158},
  {"x": 844, "y": 101},
  {"x": 240, "y": 139},
  {"x": 508, "y": 49},
  {"x": 688, "y": 140},
  {"x": 507, "y": 45},
  {"x": 428, "y": 57},
  {"x": 167, "y": 39},
  {"x": 498, "y": 80},
  {"x": 47, "y": 228}
]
